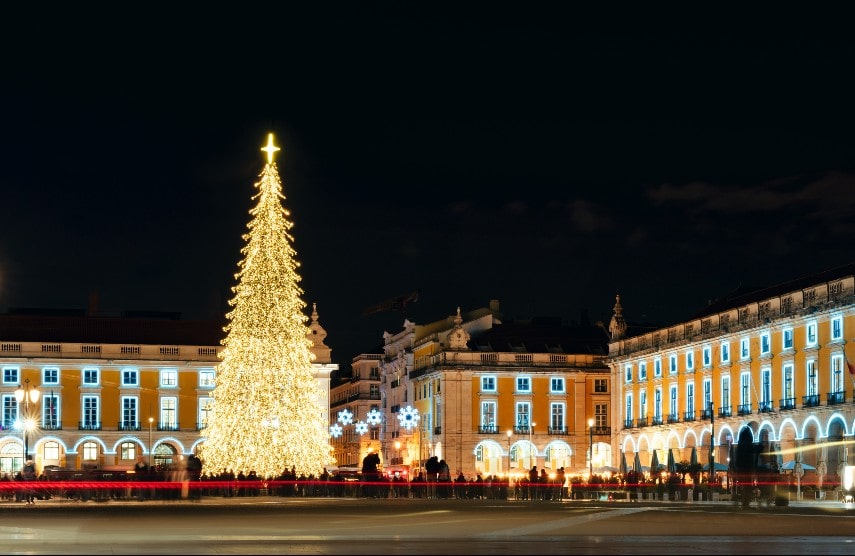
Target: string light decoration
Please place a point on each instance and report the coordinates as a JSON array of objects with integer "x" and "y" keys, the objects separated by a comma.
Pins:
[{"x": 266, "y": 415}]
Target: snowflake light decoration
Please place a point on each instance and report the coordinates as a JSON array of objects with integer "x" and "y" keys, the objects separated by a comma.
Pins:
[
  {"x": 336, "y": 430},
  {"x": 345, "y": 417},
  {"x": 408, "y": 417},
  {"x": 361, "y": 427},
  {"x": 374, "y": 417}
]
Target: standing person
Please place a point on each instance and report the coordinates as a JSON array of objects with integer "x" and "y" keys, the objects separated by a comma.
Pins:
[
  {"x": 432, "y": 471},
  {"x": 140, "y": 475},
  {"x": 370, "y": 467},
  {"x": 444, "y": 491},
  {"x": 28, "y": 474}
]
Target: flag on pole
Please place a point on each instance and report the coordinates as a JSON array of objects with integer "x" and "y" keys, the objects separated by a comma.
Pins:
[{"x": 849, "y": 365}]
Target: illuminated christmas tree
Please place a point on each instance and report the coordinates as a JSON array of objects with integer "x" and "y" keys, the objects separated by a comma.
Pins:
[{"x": 266, "y": 415}]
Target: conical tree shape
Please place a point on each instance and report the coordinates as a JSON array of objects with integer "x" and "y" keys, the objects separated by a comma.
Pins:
[{"x": 266, "y": 415}]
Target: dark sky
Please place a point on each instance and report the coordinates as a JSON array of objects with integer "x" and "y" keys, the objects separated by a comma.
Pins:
[{"x": 547, "y": 159}]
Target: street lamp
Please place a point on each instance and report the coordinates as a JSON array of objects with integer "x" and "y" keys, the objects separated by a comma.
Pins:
[
  {"x": 150, "y": 421},
  {"x": 24, "y": 394},
  {"x": 590, "y": 449},
  {"x": 712, "y": 448},
  {"x": 530, "y": 445}
]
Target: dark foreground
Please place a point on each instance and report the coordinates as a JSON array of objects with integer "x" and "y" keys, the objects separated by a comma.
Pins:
[{"x": 417, "y": 526}]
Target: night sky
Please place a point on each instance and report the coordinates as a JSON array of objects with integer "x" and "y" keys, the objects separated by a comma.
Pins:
[{"x": 541, "y": 158}]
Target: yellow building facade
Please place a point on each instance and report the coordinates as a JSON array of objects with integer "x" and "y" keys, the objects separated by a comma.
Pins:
[{"x": 763, "y": 372}]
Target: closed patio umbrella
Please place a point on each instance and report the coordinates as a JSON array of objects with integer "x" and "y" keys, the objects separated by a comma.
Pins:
[
  {"x": 623, "y": 467},
  {"x": 693, "y": 459},
  {"x": 654, "y": 463},
  {"x": 636, "y": 464},
  {"x": 672, "y": 463}
]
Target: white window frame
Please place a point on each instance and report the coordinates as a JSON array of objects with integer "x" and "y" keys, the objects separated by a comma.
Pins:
[
  {"x": 169, "y": 378},
  {"x": 725, "y": 352},
  {"x": 657, "y": 367},
  {"x": 488, "y": 383},
  {"x": 836, "y": 328},
  {"x": 765, "y": 343},
  {"x": 672, "y": 364},
  {"x": 488, "y": 414},
  {"x": 85, "y": 377},
  {"x": 787, "y": 339},
  {"x": 745, "y": 349},
  {"x": 556, "y": 385},
  {"x": 642, "y": 371},
  {"x": 690, "y": 361},
  {"x": 811, "y": 334},
  {"x": 707, "y": 356},
  {"x": 47, "y": 380}
]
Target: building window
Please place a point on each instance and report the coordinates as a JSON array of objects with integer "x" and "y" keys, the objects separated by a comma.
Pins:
[
  {"x": 10, "y": 411},
  {"x": 628, "y": 411},
  {"x": 811, "y": 334},
  {"x": 836, "y": 328},
  {"x": 672, "y": 364},
  {"x": 788, "y": 338},
  {"x": 657, "y": 404},
  {"x": 627, "y": 370},
  {"x": 90, "y": 412},
  {"x": 657, "y": 367},
  {"x": 690, "y": 398},
  {"x": 90, "y": 377},
  {"x": 10, "y": 375},
  {"x": 766, "y": 387},
  {"x": 168, "y": 413},
  {"x": 744, "y": 348},
  {"x": 128, "y": 451},
  {"x": 205, "y": 406},
  {"x": 672, "y": 408},
  {"x": 523, "y": 384},
  {"x": 601, "y": 415},
  {"x": 642, "y": 405},
  {"x": 642, "y": 371},
  {"x": 50, "y": 376},
  {"x": 129, "y": 412},
  {"x": 90, "y": 451},
  {"x": 690, "y": 361},
  {"x": 51, "y": 451},
  {"x": 50, "y": 412},
  {"x": 206, "y": 379},
  {"x": 725, "y": 392},
  {"x": 725, "y": 352},
  {"x": 812, "y": 389},
  {"x": 707, "y": 355},
  {"x": 745, "y": 388},
  {"x": 488, "y": 416},
  {"x": 169, "y": 378},
  {"x": 556, "y": 417},
  {"x": 601, "y": 385},
  {"x": 523, "y": 415},
  {"x": 765, "y": 344},
  {"x": 130, "y": 377},
  {"x": 556, "y": 385},
  {"x": 836, "y": 373},
  {"x": 707, "y": 393},
  {"x": 789, "y": 388}
]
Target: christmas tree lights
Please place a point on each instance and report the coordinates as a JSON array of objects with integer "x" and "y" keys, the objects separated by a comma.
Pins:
[{"x": 266, "y": 415}]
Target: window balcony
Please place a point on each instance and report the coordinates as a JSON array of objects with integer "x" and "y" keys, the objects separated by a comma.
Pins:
[
  {"x": 725, "y": 411},
  {"x": 558, "y": 430},
  {"x": 811, "y": 400},
  {"x": 522, "y": 430},
  {"x": 706, "y": 414},
  {"x": 689, "y": 416},
  {"x": 437, "y": 430},
  {"x": 835, "y": 398},
  {"x": 787, "y": 403},
  {"x": 673, "y": 418},
  {"x": 89, "y": 425},
  {"x": 743, "y": 409},
  {"x": 167, "y": 426},
  {"x": 765, "y": 407},
  {"x": 128, "y": 426},
  {"x": 641, "y": 422},
  {"x": 657, "y": 420},
  {"x": 602, "y": 431},
  {"x": 52, "y": 426},
  {"x": 488, "y": 429},
  {"x": 201, "y": 426},
  {"x": 627, "y": 424}
]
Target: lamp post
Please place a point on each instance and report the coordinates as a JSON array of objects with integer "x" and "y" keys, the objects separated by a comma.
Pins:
[
  {"x": 590, "y": 449},
  {"x": 509, "y": 451},
  {"x": 150, "y": 450},
  {"x": 712, "y": 449},
  {"x": 530, "y": 455},
  {"x": 24, "y": 394}
]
